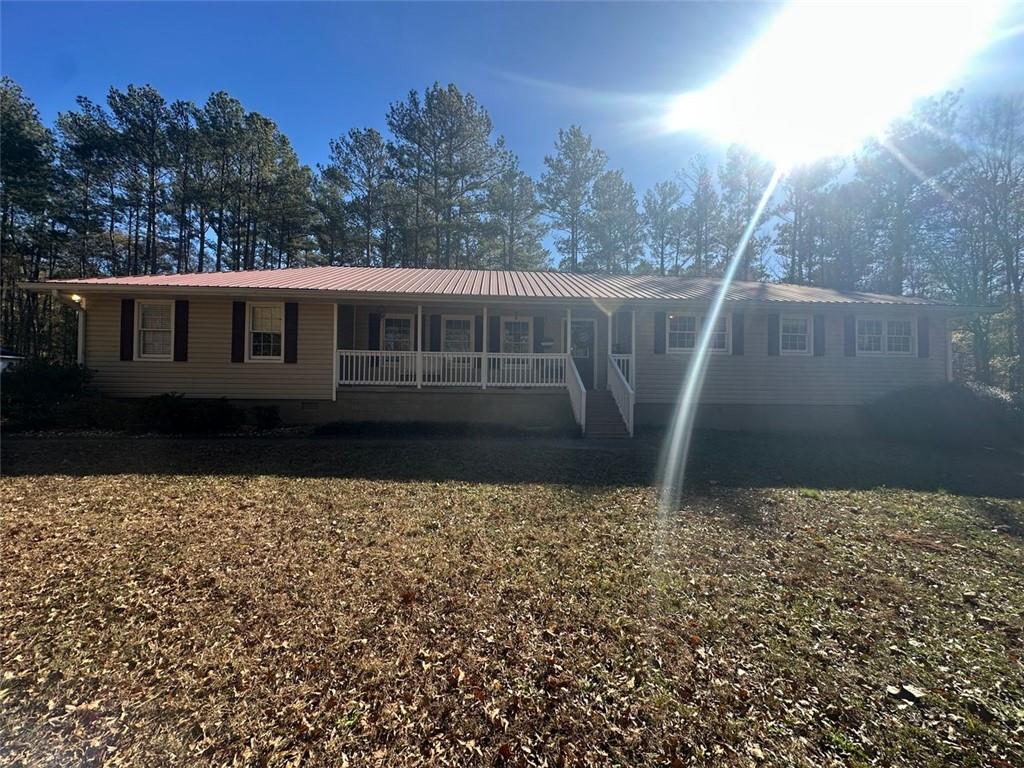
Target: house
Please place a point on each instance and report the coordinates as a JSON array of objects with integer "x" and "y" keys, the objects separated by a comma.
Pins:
[{"x": 531, "y": 349}]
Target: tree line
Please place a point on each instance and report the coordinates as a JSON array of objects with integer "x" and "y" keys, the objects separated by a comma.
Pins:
[{"x": 140, "y": 185}]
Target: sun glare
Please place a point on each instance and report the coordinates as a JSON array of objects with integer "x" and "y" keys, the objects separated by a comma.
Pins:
[{"x": 824, "y": 77}]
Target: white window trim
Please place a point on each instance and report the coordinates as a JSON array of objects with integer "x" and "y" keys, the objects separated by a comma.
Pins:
[
  {"x": 138, "y": 332},
  {"x": 472, "y": 332},
  {"x": 884, "y": 320},
  {"x": 248, "y": 332},
  {"x": 529, "y": 338},
  {"x": 698, "y": 331},
  {"x": 412, "y": 330},
  {"x": 810, "y": 335}
]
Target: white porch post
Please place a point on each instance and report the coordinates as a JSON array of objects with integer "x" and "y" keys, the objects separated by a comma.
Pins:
[
  {"x": 632, "y": 350},
  {"x": 81, "y": 336},
  {"x": 335, "y": 368},
  {"x": 568, "y": 343},
  {"x": 483, "y": 362},
  {"x": 419, "y": 346}
]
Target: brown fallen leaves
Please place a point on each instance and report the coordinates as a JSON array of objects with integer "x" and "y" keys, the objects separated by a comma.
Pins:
[{"x": 221, "y": 618}]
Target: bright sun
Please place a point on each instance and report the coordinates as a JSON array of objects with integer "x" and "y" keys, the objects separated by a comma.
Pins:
[{"x": 824, "y": 77}]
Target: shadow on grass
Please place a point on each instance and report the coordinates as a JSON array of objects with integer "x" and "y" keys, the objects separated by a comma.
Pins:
[{"x": 718, "y": 459}]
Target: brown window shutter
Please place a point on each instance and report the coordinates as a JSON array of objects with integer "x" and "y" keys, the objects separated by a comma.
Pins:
[
  {"x": 850, "y": 336},
  {"x": 127, "y": 329},
  {"x": 659, "y": 333},
  {"x": 494, "y": 334},
  {"x": 238, "y": 332},
  {"x": 773, "y": 334},
  {"x": 291, "y": 332},
  {"x": 923, "y": 337},
  {"x": 346, "y": 327},
  {"x": 373, "y": 331},
  {"x": 478, "y": 333},
  {"x": 819, "y": 335},
  {"x": 180, "y": 330},
  {"x": 738, "y": 323},
  {"x": 435, "y": 333},
  {"x": 538, "y": 334}
]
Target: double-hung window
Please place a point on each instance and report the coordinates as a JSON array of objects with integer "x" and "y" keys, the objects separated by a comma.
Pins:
[
  {"x": 899, "y": 339},
  {"x": 397, "y": 333},
  {"x": 681, "y": 332},
  {"x": 265, "y": 332},
  {"x": 795, "y": 335},
  {"x": 885, "y": 336},
  {"x": 516, "y": 336},
  {"x": 156, "y": 330},
  {"x": 457, "y": 335}
]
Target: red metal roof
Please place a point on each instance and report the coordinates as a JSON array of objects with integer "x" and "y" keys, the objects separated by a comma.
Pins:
[{"x": 494, "y": 284}]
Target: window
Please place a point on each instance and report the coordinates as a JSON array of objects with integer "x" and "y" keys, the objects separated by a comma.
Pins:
[
  {"x": 397, "y": 333},
  {"x": 682, "y": 332},
  {"x": 516, "y": 336},
  {"x": 883, "y": 336},
  {"x": 720, "y": 335},
  {"x": 457, "y": 335},
  {"x": 156, "y": 330},
  {"x": 266, "y": 332},
  {"x": 898, "y": 337},
  {"x": 869, "y": 336},
  {"x": 794, "y": 335}
]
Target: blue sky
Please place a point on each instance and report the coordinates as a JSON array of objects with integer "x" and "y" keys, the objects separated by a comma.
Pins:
[{"x": 318, "y": 69}]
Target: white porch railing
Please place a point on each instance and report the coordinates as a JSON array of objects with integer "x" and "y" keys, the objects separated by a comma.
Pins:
[
  {"x": 450, "y": 369},
  {"x": 377, "y": 368},
  {"x": 625, "y": 363},
  {"x": 622, "y": 393},
  {"x": 577, "y": 395},
  {"x": 526, "y": 370}
]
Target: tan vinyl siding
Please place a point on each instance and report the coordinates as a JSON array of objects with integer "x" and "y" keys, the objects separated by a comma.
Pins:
[
  {"x": 209, "y": 372},
  {"x": 757, "y": 378}
]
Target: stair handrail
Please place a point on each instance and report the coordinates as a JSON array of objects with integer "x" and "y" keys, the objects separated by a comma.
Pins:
[
  {"x": 622, "y": 394},
  {"x": 577, "y": 393}
]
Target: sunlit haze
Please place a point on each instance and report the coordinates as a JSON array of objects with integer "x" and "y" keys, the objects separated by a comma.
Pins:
[{"x": 823, "y": 77}]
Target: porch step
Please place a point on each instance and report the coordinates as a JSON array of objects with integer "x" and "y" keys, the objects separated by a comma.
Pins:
[{"x": 603, "y": 418}]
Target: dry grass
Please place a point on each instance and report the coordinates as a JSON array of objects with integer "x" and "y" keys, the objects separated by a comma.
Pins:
[{"x": 349, "y": 618}]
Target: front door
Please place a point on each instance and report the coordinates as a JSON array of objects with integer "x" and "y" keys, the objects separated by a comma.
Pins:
[{"x": 581, "y": 346}]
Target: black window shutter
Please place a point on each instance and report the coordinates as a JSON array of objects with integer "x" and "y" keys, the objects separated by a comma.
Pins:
[
  {"x": 291, "y": 332},
  {"x": 435, "y": 333},
  {"x": 738, "y": 323},
  {"x": 127, "y": 329},
  {"x": 346, "y": 327},
  {"x": 923, "y": 337},
  {"x": 819, "y": 335},
  {"x": 773, "y": 334},
  {"x": 538, "y": 334},
  {"x": 237, "y": 331},
  {"x": 849, "y": 336},
  {"x": 659, "y": 333},
  {"x": 180, "y": 330},
  {"x": 478, "y": 333},
  {"x": 373, "y": 331},
  {"x": 494, "y": 334}
]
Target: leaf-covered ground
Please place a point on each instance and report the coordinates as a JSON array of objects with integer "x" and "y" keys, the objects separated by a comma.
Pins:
[{"x": 323, "y": 603}]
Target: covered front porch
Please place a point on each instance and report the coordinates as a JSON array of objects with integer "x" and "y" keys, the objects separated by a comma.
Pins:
[{"x": 494, "y": 346}]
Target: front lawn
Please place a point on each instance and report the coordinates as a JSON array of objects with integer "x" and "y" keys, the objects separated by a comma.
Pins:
[{"x": 329, "y": 603}]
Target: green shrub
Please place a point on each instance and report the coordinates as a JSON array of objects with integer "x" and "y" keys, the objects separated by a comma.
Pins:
[
  {"x": 265, "y": 416},
  {"x": 946, "y": 415},
  {"x": 173, "y": 414},
  {"x": 33, "y": 392}
]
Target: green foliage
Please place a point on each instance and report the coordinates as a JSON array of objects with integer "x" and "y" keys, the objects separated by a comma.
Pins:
[
  {"x": 175, "y": 414},
  {"x": 950, "y": 415},
  {"x": 33, "y": 391},
  {"x": 265, "y": 416}
]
